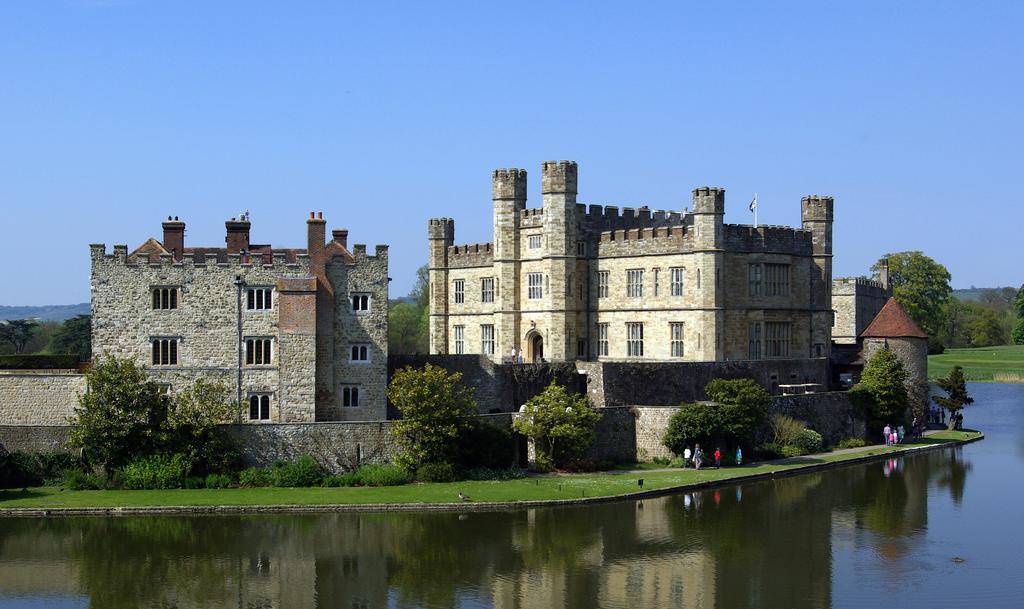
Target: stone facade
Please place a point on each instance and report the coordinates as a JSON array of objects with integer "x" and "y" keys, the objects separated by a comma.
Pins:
[
  {"x": 302, "y": 326},
  {"x": 856, "y": 301},
  {"x": 35, "y": 397},
  {"x": 913, "y": 354},
  {"x": 568, "y": 282}
]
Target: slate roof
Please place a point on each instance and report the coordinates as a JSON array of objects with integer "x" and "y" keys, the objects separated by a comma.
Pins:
[{"x": 893, "y": 322}]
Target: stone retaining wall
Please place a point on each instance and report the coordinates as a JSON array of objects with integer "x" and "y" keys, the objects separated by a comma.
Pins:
[
  {"x": 39, "y": 397},
  {"x": 34, "y": 438}
]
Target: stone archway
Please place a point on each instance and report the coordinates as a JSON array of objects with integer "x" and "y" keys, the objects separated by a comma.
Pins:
[{"x": 534, "y": 347}]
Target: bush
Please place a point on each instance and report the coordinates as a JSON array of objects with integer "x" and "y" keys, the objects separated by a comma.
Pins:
[
  {"x": 39, "y": 362},
  {"x": 435, "y": 472},
  {"x": 19, "y": 470},
  {"x": 254, "y": 477},
  {"x": 346, "y": 479},
  {"x": 738, "y": 410},
  {"x": 784, "y": 430},
  {"x": 587, "y": 465},
  {"x": 382, "y": 475},
  {"x": 156, "y": 472},
  {"x": 303, "y": 472},
  {"x": 560, "y": 423},
  {"x": 218, "y": 481},
  {"x": 767, "y": 451},
  {"x": 809, "y": 441},
  {"x": 791, "y": 450},
  {"x": 486, "y": 473},
  {"x": 851, "y": 443},
  {"x": 437, "y": 409},
  {"x": 75, "y": 479},
  {"x": 194, "y": 482},
  {"x": 483, "y": 445}
]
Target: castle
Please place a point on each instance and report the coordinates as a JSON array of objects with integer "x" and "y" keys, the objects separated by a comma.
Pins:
[
  {"x": 299, "y": 334},
  {"x": 569, "y": 282}
]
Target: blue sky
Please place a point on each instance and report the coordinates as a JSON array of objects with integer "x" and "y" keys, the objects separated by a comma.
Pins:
[{"x": 114, "y": 114}]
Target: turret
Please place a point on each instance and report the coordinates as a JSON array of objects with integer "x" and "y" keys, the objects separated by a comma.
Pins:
[
  {"x": 708, "y": 216},
  {"x": 708, "y": 262},
  {"x": 440, "y": 236},
  {"x": 816, "y": 216},
  {"x": 508, "y": 192},
  {"x": 558, "y": 186}
]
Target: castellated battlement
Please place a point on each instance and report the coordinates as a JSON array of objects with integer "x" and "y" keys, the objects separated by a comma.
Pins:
[
  {"x": 558, "y": 177},
  {"x": 635, "y": 241},
  {"x": 441, "y": 229},
  {"x": 285, "y": 261},
  {"x": 767, "y": 238},
  {"x": 508, "y": 184},
  {"x": 816, "y": 208},
  {"x": 601, "y": 217},
  {"x": 470, "y": 255},
  {"x": 708, "y": 200},
  {"x": 359, "y": 252}
]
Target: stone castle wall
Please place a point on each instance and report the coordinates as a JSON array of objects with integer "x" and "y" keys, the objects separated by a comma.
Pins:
[
  {"x": 39, "y": 397},
  {"x": 856, "y": 301}
]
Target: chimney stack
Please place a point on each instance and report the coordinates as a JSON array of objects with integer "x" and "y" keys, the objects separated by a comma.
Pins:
[
  {"x": 237, "y": 235},
  {"x": 883, "y": 273},
  {"x": 340, "y": 237},
  {"x": 174, "y": 237},
  {"x": 316, "y": 231}
]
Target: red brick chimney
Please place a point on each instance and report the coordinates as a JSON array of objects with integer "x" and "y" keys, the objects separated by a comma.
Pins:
[
  {"x": 174, "y": 237},
  {"x": 316, "y": 231},
  {"x": 340, "y": 237},
  {"x": 237, "y": 234}
]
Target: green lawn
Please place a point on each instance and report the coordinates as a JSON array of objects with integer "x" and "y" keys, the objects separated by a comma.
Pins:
[
  {"x": 562, "y": 486},
  {"x": 984, "y": 364}
]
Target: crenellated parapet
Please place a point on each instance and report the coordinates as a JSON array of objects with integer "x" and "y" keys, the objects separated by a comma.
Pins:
[
  {"x": 637, "y": 241},
  {"x": 609, "y": 217},
  {"x": 285, "y": 261},
  {"x": 768, "y": 239},
  {"x": 470, "y": 255}
]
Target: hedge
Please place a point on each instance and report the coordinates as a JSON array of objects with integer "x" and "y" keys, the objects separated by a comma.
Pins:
[{"x": 22, "y": 361}]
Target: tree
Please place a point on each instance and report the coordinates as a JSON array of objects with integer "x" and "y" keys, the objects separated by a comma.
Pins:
[
  {"x": 738, "y": 409},
  {"x": 920, "y": 285},
  {"x": 18, "y": 332},
  {"x": 194, "y": 429},
  {"x": 437, "y": 409},
  {"x": 1018, "y": 332},
  {"x": 1018, "y": 302},
  {"x": 561, "y": 425},
  {"x": 984, "y": 328},
  {"x": 120, "y": 415},
  {"x": 882, "y": 390},
  {"x": 74, "y": 336},
  {"x": 956, "y": 393},
  {"x": 409, "y": 322}
]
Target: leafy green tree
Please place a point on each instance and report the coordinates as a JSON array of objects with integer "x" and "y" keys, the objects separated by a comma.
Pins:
[
  {"x": 436, "y": 407},
  {"x": 193, "y": 426},
  {"x": 882, "y": 390},
  {"x": 738, "y": 408},
  {"x": 1018, "y": 332},
  {"x": 404, "y": 328},
  {"x": 1018, "y": 302},
  {"x": 560, "y": 423},
  {"x": 920, "y": 285},
  {"x": 120, "y": 416},
  {"x": 956, "y": 393},
  {"x": 74, "y": 336},
  {"x": 985, "y": 328},
  {"x": 18, "y": 333}
]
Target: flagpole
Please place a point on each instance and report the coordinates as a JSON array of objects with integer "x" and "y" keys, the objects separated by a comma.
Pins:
[{"x": 755, "y": 210}]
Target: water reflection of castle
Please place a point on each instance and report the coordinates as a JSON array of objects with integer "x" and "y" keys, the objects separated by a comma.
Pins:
[{"x": 770, "y": 546}]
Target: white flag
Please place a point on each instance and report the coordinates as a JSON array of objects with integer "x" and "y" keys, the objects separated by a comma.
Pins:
[{"x": 753, "y": 203}]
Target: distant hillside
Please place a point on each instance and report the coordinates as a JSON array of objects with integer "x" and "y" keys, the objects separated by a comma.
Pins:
[
  {"x": 45, "y": 312},
  {"x": 973, "y": 294}
]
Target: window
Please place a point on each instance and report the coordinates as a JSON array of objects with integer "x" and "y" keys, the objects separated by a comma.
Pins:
[
  {"x": 460, "y": 291},
  {"x": 581, "y": 348},
  {"x": 360, "y": 353},
  {"x": 533, "y": 242},
  {"x": 776, "y": 280},
  {"x": 360, "y": 303},
  {"x": 165, "y": 298},
  {"x": 602, "y": 339},
  {"x": 698, "y": 279},
  {"x": 487, "y": 339},
  {"x": 350, "y": 396},
  {"x": 635, "y": 283},
  {"x": 634, "y": 339},
  {"x": 257, "y": 351},
  {"x": 581, "y": 248},
  {"x": 754, "y": 341},
  {"x": 460, "y": 335},
  {"x": 676, "y": 332},
  {"x": 165, "y": 351},
  {"x": 676, "y": 276},
  {"x": 602, "y": 284},
  {"x": 754, "y": 280},
  {"x": 259, "y": 299},
  {"x": 776, "y": 338},
  {"x": 657, "y": 280},
  {"x": 487, "y": 289},
  {"x": 259, "y": 407},
  {"x": 534, "y": 285}
]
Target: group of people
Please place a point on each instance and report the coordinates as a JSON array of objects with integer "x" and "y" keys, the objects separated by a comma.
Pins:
[
  {"x": 893, "y": 435},
  {"x": 516, "y": 357},
  {"x": 937, "y": 415},
  {"x": 696, "y": 457}
]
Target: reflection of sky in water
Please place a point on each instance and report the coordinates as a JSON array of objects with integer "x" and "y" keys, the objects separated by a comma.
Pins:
[{"x": 881, "y": 534}]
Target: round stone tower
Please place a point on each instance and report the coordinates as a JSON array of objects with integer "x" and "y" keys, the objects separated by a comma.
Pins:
[{"x": 894, "y": 329}]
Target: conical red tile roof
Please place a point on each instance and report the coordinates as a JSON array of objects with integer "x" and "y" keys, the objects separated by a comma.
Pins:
[{"x": 893, "y": 322}]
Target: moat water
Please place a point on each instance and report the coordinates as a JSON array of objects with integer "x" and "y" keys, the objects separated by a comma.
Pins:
[{"x": 936, "y": 530}]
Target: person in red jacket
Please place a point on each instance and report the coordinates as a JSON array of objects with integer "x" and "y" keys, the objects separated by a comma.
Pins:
[{"x": 718, "y": 458}]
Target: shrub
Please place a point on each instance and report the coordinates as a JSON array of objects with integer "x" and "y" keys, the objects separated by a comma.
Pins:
[
  {"x": 784, "y": 430},
  {"x": 561, "y": 424},
  {"x": 791, "y": 450},
  {"x": 587, "y": 465},
  {"x": 435, "y": 472},
  {"x": 768, "y": 450},
  {"x": 382, "y": 475},
  {"x": 809, "y": 441},
  {"x": 156, "y": 472},
  {"x": 193, "y": 482},
  {"x": 738, "y": 409},
  {"x": 882, "y": 391},
  {"x": 54, "y": 464},
  {"x": 303, "y": 472},
  {"x": 346, "y": 479},
  {"x": 437, "y": 409},
  {"x": 486, "y": 473},
  {"x": 851, "y": 443},
  {"x": 483, "y": 445},
  {"x": 18, "y": 470},
  {"x": 253, "y": 477},
  {"x": 218, "y": 481},
  {"x": 75, "y": 479}
]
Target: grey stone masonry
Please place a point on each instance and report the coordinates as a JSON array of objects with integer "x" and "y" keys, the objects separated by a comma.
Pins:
[
  {"x": 29, "y": 397},
  {"x": 856, "y": 301},
  {"x": 567, "y": 282}
]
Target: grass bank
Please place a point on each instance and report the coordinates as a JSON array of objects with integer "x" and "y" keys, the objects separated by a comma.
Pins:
[
  {"x": 999, "y": 364},
  {"x": 556, "y": 488}
]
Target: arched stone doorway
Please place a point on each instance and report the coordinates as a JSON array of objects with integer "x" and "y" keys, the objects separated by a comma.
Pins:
[{"x": 535, "y": 347}]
